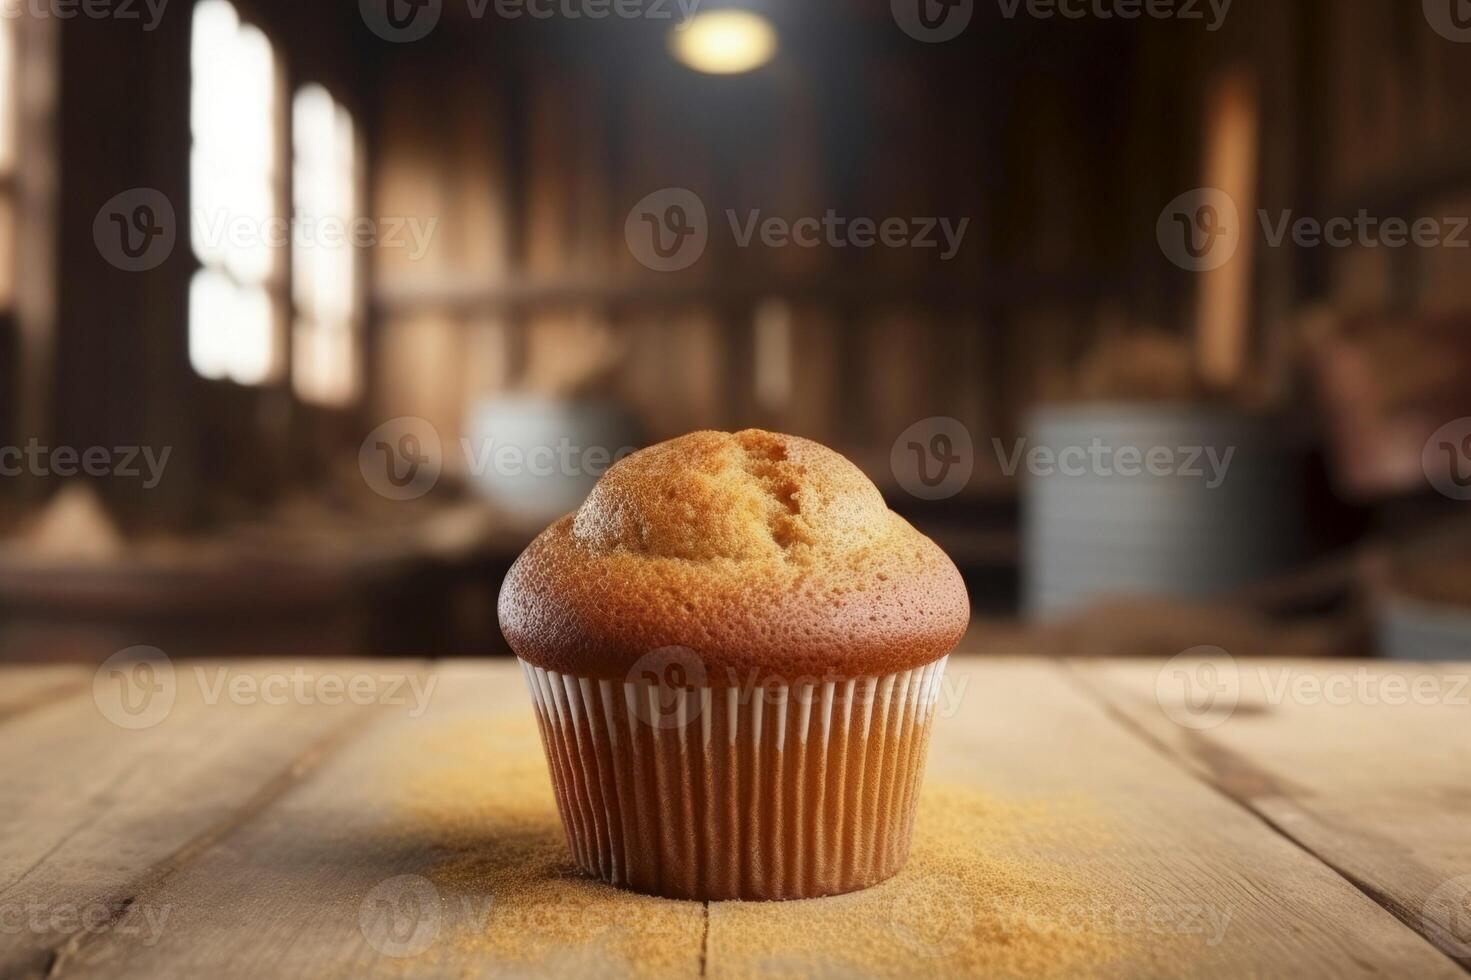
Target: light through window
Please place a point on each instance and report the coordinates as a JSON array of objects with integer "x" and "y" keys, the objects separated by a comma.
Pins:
[
  {"x": 325, "y": 191},
  {"x": 235, "y": 300}
]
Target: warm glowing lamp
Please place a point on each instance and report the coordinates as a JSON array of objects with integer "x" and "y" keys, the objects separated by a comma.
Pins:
[{"x": 724, "y": 42}]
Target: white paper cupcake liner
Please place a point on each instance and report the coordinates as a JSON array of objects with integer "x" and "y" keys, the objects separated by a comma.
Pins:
[{"x": 720, "y": 793}]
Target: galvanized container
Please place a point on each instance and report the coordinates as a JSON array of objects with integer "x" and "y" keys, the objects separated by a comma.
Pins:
[
  {"x": 1198, "y": 525},
  {"x": 1417, "y": 629}
]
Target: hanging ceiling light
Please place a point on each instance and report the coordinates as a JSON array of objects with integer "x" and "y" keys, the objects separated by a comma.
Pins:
[{"x": 724, "y": 42}]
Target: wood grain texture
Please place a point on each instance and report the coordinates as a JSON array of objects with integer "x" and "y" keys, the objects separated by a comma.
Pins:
[
  {"x": 1064, "y": 830},
  {"x": 1162, "y": 875},
  {"x": 1365, "y": 765},
  {"x": 25, "y": 689},
  {"x": 427, "y": 845},
  {"x": 91, "y": 814}
]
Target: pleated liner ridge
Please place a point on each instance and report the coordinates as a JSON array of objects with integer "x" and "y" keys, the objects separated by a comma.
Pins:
[{"x": 723, "y": 793}]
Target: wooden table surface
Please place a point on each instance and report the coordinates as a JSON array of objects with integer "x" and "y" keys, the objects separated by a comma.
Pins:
[{"x": 1123, "y": 818}]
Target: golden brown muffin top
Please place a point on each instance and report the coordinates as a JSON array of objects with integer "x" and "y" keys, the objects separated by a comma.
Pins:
[{"x": 759, "y": 552}]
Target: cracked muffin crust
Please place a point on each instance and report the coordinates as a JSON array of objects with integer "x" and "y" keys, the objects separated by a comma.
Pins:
[{"x": 757, "y": 551}]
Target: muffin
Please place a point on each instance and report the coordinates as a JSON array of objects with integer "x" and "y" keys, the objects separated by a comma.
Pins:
[{"x": 734, "y": 649}]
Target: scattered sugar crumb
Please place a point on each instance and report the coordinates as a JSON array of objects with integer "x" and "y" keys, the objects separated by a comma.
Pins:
[
  {"x": 991, "y": 887},
  {"x": 977, "y": 898}
]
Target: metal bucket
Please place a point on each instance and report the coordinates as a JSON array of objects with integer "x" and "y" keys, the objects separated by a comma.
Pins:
[
  {"x": 1414, "y": 629},
  {"x": 1223, "y": 511}
]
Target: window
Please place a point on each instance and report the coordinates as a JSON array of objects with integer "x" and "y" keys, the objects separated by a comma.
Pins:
[
  {"x": 237, "y": 299},
  {"x": 324, "y": 278}
]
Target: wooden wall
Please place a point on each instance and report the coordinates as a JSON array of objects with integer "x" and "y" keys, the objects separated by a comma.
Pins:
[
  {"x": 1362, "y": 105},
  {"x": 107, "y": 356},
  {"x": 528, "y": 144},
  {"x": 533, "y": 164}
]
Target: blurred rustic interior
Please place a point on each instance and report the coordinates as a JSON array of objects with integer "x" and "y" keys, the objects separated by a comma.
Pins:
[{"x": 517, "y": 148}]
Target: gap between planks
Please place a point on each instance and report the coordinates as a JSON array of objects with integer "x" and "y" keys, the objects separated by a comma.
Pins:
[
  {"x": 705, "y": 939},
  {"x": 1387, "y": 902}
]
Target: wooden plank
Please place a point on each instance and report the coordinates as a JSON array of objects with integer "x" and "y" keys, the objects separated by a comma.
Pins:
[
  {"x": 91, "y": 812},
  {"x": 1365, "y": 764},
  {"x": 428, "y": 846},
  {"x": 27, "y": 688},
  {"x": 1052, "y": 840}
]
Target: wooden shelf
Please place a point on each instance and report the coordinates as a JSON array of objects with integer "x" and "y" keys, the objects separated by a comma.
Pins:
[{"x": 470, "y": 296}]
